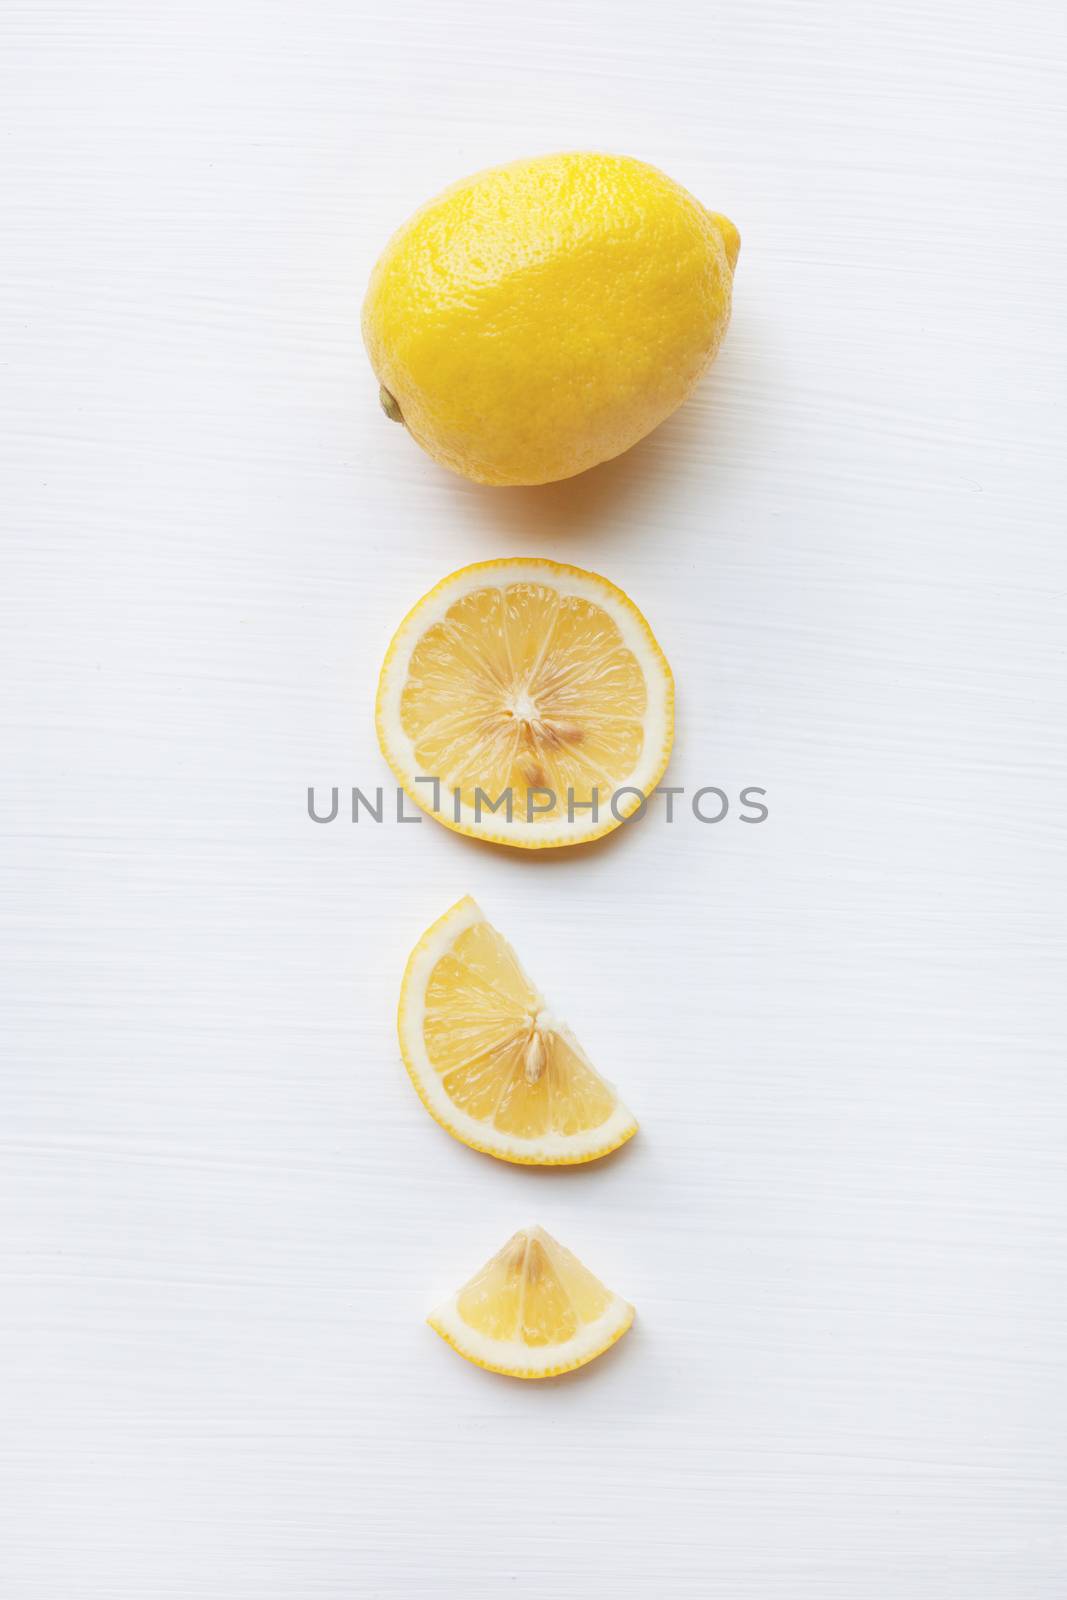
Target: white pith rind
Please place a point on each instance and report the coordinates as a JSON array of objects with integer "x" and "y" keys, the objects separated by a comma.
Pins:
[
  {"x": 548, "y": 1150},
  {"x": 636, "y": 634},
  {"x": 518, "y": 1360}
]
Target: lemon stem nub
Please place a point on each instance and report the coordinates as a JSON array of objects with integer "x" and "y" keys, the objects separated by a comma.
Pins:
[
  {"x": 389, "y": 405},
  {"x": 731, "y": 239}
]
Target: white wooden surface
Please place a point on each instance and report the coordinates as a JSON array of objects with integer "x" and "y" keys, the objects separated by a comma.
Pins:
[{"x": 224, "y": 1212}]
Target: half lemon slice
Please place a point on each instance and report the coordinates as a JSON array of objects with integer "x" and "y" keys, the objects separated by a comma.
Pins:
[
  {"x": 527, "y": 703},
  {"x": 533, "y": 1311},
  {"x": 490, "y": 1061}
]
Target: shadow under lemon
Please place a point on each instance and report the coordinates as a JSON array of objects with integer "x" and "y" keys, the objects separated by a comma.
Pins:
[
  {"x": 690, "y": 445},
  {"x": 557, "y": 855},
  {"x": 621, "y": 1156}
]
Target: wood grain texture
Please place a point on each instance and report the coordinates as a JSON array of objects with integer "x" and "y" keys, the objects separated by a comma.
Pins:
[{"x": 224, "y": 1212}]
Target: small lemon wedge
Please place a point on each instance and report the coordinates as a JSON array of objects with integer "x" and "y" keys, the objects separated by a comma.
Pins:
[
  {"x": 527, "y": 703},
  {"x": 490, "y": 1061},
  {"x": 533, "y": 1311}
]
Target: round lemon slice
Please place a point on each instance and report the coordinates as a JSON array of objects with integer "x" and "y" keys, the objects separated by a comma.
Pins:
[
  {"x": 490, "y": 1061},
  {"x": 533, "y": 1311},
  {"x": 527, "y": 703}
]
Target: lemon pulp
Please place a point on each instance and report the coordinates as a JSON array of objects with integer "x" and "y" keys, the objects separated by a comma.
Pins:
[{"x": 520, "y": 687}]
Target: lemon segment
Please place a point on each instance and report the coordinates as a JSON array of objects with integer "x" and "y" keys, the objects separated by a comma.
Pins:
[
  {"x": 491, "y": 1063},
  {"x": 533, "y": 1311},
  {"x": 526, "y": 702}
]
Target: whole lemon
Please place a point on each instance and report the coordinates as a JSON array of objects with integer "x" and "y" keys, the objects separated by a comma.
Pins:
[{"x": 540, "y": 317}]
